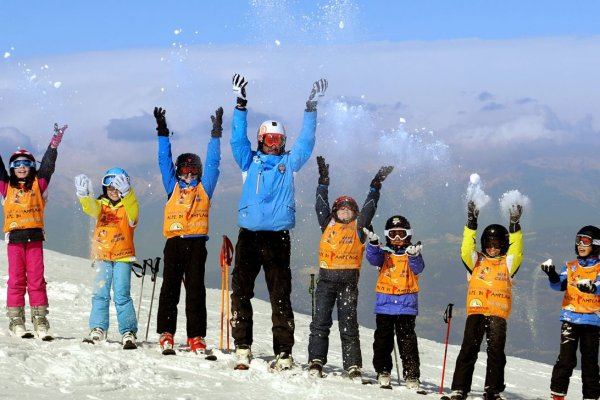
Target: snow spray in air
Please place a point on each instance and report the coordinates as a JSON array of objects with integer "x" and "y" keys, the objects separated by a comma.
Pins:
[{"x": 475, "y": 192}]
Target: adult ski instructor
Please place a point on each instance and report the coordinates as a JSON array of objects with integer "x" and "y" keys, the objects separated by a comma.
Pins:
[{"x": 265, "y": 216}]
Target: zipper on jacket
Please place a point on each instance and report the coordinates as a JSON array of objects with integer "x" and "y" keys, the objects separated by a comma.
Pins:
[{"x": 258, "y": 181}]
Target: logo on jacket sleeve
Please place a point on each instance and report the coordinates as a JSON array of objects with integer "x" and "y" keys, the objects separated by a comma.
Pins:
[{"x": 281, "y": 168}]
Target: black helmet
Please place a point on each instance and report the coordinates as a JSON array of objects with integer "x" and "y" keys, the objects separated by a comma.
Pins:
[
  {"x": 188, "y": 160},
  {"x": 594, "y": 233},
  {"x": 495, "y": 232},
  {"x": 399, "y": 222}
]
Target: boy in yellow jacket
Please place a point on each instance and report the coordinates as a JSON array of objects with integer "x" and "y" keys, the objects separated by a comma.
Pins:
[{"x": 489, "y": 300}]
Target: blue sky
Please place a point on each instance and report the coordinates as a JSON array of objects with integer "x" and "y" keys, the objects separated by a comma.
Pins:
[{"x": 49, "y": 27}]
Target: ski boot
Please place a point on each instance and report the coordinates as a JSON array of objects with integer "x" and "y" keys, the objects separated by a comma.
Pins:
[
  {"x": 197, "y": 344},
  {"x": 492, "y": 396},
  {"x": 167, "y": 344},
  {"x": 283, "y": 361},
  {"x": 41, "y": 326},
  {"x": 315, "y": 369},
  {"x": 557, "y": 396},
  {"x": 96, "y": 335},
  {"x": 384, "y": 379},
  {"x": 16, "y": 324},
  {"x": 243, "y": 355},
  {"x": 354, "y": 374},
  {"x": 128, "y": 340},
  {"x": 457, "y": 395}
]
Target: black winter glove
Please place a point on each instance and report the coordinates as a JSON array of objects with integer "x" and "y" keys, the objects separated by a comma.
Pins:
[
  {"x": 550, "y": 270},
  {"x": 217, "y": 123},
  {"x": 472, "y": 214},
  {"x": 239, "y": 87},
  {"x": 515, "y": 216},
  {"x": 586, "y": 286},
  {"x": 380, "y": 176},
  {"x": 323, "y": 171},
  {"x": 161, "y": 122}
]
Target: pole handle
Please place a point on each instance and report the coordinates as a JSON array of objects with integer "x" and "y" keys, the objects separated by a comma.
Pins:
[{"x": 448, "y": 313}]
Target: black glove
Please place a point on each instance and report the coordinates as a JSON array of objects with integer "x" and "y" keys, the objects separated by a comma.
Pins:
[
  {"x": 323, "y": 171},
  {"x": 550, "y": 270},
  {"x": 380, "y": 176},
  {"x": 318, "y": 90},
  {"x": 586, "y": 286},
  {"x": 217, "y": 122},
  {"x": 515, "y": 216},
  {"x": 472, "y": 214},
  {"x": 161, "y": 122},
  {"x": 239, "y": 87}
]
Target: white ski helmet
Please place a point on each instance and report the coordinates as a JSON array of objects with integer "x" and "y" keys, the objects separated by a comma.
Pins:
[{"x": 274, "y": 128}]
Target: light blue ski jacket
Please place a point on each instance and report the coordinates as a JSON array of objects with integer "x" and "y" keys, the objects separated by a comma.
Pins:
[{"x": 267, "y": 202}]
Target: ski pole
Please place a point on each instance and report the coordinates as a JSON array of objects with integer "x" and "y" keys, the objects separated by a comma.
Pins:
[
  {"x": 225, "y": 258},
  {"x": 143, "y": 268},
  {"x": 396, "y": 358},
  {"x": 154, "y": 268},
  {"x": 447, "y": 320},
  {"x": 311, "y": 290}
]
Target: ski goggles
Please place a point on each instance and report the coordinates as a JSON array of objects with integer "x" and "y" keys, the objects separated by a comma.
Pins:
[
  {"x": 395, "y": 233},
  {"x": 188, "y": 169},
  {"x": 274, "y": 140},
  {"x": 22, "y": 163},
  {"x": 107, "y": 179},
  {"x": 585, "y": 241}
]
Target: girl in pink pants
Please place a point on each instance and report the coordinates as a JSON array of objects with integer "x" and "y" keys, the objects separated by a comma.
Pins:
[{"x": 23, "y": 189}]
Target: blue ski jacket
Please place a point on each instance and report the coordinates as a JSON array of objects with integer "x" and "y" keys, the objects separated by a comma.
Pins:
[
  {"x": 572, "y": 316},
  {"x": 267, "y": 202},
  {"x": 210, "y": 171},
  {"x": 391, "y": 304}
]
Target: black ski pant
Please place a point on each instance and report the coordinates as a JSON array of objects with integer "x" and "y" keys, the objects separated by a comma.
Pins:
[
  {"x": 403, "y": 327},
  {"x": 271, "y": 250},
  {"x": 494, "y": 328},
  {"x": 586, "y": 336},
  {"x": 344, "y": 291},
  {"x": 184, "y": 260}
]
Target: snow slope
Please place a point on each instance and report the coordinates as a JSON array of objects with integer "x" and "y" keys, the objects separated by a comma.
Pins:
[{"x": 68, "y": 368}]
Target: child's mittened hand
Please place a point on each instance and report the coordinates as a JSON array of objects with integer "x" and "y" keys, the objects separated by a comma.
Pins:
[
  {"x": 83, "y": 186},
  {"x": 58, "y": 134},
  {"x": 586, "y": 286},
  {"x": 371, "y": 236},
  {"x": 121, "y": 183},
  {"x": 414, "y": 249}
]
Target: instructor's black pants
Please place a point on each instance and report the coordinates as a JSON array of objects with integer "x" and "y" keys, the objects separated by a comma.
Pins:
[{"x": 271, "y": 250}]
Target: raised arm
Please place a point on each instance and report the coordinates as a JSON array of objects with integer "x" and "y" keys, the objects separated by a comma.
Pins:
[
  {"x": 370, "y": 206},
  {"x": 165, "y": 158},
  {"x": 240, "y": 145},
  {"x": 213, "y": 154},
  {"x": 322, "y": 201}
]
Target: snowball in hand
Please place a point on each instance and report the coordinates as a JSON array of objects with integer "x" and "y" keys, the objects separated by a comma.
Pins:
[
  {"x": 475, "y": 192},
  {"x": 475, "y": 179}
]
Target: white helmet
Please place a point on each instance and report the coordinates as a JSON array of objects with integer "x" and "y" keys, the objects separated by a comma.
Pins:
[{"x": 273, "y": 129}]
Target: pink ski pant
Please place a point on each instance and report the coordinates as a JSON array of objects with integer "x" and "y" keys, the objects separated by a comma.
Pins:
[{"x": 26, "y": 273}]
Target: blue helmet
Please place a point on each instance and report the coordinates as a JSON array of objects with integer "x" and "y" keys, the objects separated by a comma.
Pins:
[{"x": 111, "y": 174}]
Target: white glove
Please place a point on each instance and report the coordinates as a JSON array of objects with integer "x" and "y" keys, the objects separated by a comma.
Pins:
[
  {"x": 239, "y": 86},
  {"x": 121, "y": 183},
  {"x": 318, "y": 89},
  {"x": 83, "y": 185},
  {"x": 414, "y": 249},
  {"x": 371, "y": 236}
]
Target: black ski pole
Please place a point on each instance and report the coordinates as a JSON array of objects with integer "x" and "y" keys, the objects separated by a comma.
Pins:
[
  {"x": 154, "y": 268},
  {"x": 143, "y": 268},
  {"x": 311, "y": 290}
]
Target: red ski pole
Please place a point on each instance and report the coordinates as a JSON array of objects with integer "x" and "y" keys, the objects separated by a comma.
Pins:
[
  {"x": 226, "y": 257},
  {"x": 447, "y": 320}
]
